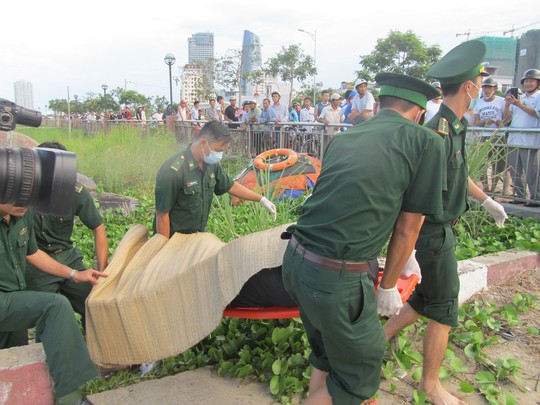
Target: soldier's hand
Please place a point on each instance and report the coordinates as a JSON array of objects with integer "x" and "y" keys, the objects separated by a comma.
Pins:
[
  {"x": 412, "y": 267},
  {"x": 269, "y": 205},
  {"x": 88, "y": 276},
  {"x": 496, "y": 210},
  {"x": 388, "y": 301}
]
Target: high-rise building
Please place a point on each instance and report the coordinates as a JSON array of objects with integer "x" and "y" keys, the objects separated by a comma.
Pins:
[
  {"x": 201, "y": 51},
  {"x": 528, "y": 56},
  {"x": 192, "y": 82},
  {"x": 500, "y": 59},
  {"x": 251, "y": 60},
  {"x": 24, "y": 95}
]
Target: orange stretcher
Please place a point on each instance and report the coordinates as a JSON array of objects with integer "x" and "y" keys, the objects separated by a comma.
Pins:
[{"x": 405, "y": 288}]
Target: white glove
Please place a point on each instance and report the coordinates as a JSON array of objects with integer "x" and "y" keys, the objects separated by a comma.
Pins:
[
  {"x": 496, "y": 210},
  {"x": 269, "y": 205},
  {"x": 388, "y": 301},
  {"x": 412, "y": 267}
]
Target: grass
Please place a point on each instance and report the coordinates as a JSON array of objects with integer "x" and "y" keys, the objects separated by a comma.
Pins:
[{"x": 120, "y": 161}]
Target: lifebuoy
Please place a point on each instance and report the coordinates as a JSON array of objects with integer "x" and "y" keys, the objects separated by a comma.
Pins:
[{"x": 260, "y": 161}]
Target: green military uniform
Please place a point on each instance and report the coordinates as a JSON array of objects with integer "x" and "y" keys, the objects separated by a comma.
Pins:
[
  {"x": 51, "y": 314},
  {"x": 185, "y": 191},
  {"x": 437, "y": 296},
  {"x": 381, "y": 167},
  {"x": 53, "y": 235}
]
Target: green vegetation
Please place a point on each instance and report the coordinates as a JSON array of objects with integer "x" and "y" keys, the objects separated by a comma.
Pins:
[{"x": 122, "y": 161}]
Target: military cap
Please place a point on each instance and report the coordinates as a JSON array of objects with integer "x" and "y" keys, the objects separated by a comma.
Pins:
[
  {"x": 406, "y": 87},
  {"x": 460, "y": 64}
]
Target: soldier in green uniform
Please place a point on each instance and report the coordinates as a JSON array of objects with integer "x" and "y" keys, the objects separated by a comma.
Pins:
[
  {"x": 381, "y": 177},
  {"x": 51, "y": 314},
  {"x": 53, "y": 235},
  {"x": 460, "y": 73},
  {"x": 187, "y": 182}
]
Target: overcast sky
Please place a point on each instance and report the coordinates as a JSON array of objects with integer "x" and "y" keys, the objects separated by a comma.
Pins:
[{"x": 56, "y": 44}]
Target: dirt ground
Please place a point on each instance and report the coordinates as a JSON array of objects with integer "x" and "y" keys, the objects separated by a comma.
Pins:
[{"x": 522, "y": 346}]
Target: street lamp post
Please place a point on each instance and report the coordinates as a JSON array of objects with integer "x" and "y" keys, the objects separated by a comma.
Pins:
[
  {"x": 313, "y": 36},
  {"x": 104, "y": 87},
  {"x": 169, "y": 60}
]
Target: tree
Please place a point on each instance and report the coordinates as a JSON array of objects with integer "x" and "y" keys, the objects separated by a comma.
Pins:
[
  {"x": 132, "y": 97},
  {"x": 291, "y": 64},
  {"x": 228, "y": 71},
  {"x": 160, "y": 103},
  {"x": 399, "y": 53}
]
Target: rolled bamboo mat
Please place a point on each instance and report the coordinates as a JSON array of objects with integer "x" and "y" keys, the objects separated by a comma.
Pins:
[{"x": 167, "y": 295}]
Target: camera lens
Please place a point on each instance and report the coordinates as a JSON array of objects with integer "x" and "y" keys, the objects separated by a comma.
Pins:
[{"x": 40, "y": 178}]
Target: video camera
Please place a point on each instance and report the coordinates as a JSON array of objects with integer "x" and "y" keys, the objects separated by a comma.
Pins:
[{"x": 41, "y": 178}]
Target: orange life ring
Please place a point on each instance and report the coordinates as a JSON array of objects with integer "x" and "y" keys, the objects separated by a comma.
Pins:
[{"x": 260, "y": 161}]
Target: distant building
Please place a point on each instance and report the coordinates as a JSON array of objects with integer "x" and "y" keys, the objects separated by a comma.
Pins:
[
  {"x": 500, "y": 59},
  {"x": 201, "y": 51},
  {"x": 528, "y": 54},
  {"x": 24, "y": 94},
  {"x": 192, "y": 82},
  {"x": 251, "y": 60}
]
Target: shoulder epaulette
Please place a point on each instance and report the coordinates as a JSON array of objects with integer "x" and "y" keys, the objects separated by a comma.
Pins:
[
  {"x": 78, "y": 188},
  {"x": 178, "y": 163},
  {"x": 442, "y": 127}
]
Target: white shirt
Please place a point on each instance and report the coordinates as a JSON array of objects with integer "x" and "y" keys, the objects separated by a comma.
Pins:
[
  {"x": 333, "y": 117},
  {"x": 367, "y": 102},
  {"x": 432, "y": 108},
  {"x": 307, "y": 116},
  {"x": 520, "y": 119},
  {"x": 493, "y": 110},
  {"x": 194, "y": 113}
]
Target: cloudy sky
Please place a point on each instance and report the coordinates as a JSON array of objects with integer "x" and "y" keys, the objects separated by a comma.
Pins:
[{"x": 56, "y": 44}]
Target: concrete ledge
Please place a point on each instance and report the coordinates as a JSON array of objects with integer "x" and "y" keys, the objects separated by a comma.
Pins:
[
  {"x": 24, "y": 376},
  {"x": 506, "y": 265},
  {"x": 473, "y": 277}
]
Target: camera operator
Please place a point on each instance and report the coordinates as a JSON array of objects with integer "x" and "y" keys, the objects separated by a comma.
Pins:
[
  {"x": 51, "y": 314},
  {"x": 53, "y": 236}
]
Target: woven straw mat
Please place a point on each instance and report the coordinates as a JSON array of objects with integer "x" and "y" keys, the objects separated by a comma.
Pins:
[{"x": 164, "y": 296}]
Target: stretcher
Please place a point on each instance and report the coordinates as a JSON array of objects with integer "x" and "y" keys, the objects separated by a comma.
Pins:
[{"x": 405, "y": 288}]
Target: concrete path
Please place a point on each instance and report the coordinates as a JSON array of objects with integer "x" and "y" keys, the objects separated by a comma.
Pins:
[{"x": 198, "y": 387}]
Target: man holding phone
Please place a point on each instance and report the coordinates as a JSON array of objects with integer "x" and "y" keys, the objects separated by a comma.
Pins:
[{"x": 524, "y": 112}]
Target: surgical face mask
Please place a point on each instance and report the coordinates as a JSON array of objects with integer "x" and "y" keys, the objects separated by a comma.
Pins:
[
  {"x": 472, "y": 103},
  {"x": 212, "y": 158}
]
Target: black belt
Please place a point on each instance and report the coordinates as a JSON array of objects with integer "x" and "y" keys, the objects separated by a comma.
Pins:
[{"x": 355, "y": 267}]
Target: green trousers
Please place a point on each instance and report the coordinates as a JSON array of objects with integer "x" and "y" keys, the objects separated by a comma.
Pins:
[
  {"x": 76, "y": 294},
  {"x": 52, "y": 316}
]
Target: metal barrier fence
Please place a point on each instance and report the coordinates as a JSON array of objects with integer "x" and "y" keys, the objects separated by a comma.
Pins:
[{"x": 507, "y": 171}]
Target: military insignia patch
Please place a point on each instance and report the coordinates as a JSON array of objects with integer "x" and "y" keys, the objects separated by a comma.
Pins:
[
  {"x": 191, "y": 183},
  {"x": 178, "y": 163},
  {"x": 442, "y": 127}
]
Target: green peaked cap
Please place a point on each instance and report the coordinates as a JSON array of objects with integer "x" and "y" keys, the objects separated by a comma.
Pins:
[
  {"x": 460, "y": 64},
  {"x": 406, "y": 87}
]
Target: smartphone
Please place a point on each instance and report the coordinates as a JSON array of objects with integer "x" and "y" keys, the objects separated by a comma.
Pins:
[{"x": 514, "y": 92}]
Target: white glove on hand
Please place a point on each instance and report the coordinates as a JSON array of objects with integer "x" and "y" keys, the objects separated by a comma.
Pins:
[
  {"x": 388, "y": 301},
  {"x": 496, "y": 210},
  {"x": 269, "y": 205},
  {"x": 412, "y": 267}
]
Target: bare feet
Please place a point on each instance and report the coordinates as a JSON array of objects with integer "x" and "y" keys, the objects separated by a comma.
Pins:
[{"x": 439, "y": 396}]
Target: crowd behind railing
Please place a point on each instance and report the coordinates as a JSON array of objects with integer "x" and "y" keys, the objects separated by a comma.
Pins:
[{"x": 500, "y": 176}]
